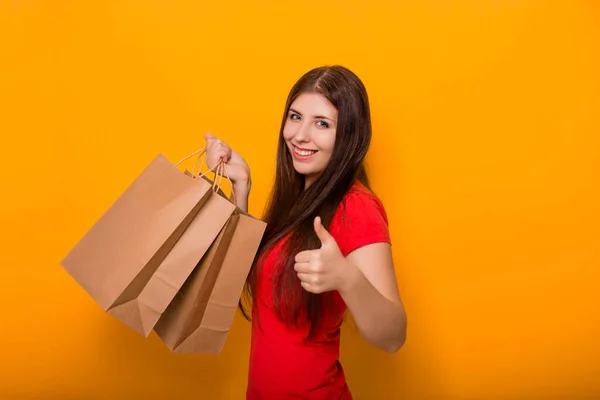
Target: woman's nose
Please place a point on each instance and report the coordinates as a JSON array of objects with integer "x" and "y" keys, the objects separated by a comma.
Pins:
[{"x": 302, "y": 134}]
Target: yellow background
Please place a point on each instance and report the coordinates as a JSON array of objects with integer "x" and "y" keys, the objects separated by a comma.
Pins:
[{"x": 486, "y": 153}]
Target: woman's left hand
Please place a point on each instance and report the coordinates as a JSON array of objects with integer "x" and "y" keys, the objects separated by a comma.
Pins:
[{"x": 323, "y": 269}]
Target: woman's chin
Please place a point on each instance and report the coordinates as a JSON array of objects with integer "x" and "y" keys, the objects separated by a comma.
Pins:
[{"x": 302, "y": 170}]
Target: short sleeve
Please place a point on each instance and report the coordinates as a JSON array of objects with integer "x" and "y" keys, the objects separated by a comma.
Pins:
[{"x": 359, "y": 221}]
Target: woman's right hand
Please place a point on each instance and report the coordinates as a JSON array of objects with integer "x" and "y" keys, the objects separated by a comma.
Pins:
[{"x": 237, "y": 170}]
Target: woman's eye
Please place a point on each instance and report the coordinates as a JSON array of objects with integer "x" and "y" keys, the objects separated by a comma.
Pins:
[
  {"x": 323, "y": 124},
  {"x": 295, "y": 117}
]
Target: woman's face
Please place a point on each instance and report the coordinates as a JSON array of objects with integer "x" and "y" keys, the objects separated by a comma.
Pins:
[{"x": 309, "y": 133}]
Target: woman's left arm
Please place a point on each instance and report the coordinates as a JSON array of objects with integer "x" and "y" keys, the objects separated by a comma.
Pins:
[
  {"x": 365, "y": 279},
  {"x": 372, "y": 296}
]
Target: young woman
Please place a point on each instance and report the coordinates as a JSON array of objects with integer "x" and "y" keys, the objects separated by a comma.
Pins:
[{"x": 326, "y": 248}]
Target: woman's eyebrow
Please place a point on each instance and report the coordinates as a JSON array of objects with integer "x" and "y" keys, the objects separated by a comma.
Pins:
[{"x": 323, "y": 117}]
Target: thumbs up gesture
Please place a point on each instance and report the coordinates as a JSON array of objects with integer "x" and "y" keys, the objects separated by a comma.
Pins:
[{"x": 323, "y": 269}]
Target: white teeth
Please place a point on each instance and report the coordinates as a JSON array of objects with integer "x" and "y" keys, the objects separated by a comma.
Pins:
[{"x": 304, "y": 152}]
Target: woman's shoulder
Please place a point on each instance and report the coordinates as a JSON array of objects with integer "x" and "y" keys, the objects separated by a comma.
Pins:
[
  {"x": 360, "y": 200},
  {"x": 360, "y": 219}
]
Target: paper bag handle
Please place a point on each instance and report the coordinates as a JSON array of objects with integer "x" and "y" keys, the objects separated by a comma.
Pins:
[
  {"x": 201, "y": 153},
  {"x": 221, "y": 168}
]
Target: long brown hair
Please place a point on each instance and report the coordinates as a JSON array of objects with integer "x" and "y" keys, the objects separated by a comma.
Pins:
[{"x": 291, "y": 209}]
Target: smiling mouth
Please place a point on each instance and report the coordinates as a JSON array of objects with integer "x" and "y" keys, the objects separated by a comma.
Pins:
[{"x": 304, "y": 152}]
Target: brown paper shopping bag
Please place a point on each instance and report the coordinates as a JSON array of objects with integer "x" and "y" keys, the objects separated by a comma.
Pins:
[
  {"x": 137, "y": 255},
  {"x": 199, "y": 318},
  {"x": 172, "y": 273}
]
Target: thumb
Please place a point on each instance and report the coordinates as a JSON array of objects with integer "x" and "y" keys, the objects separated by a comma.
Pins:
[
  {"x": 321, "y": 232},
  {"x": 209, "y": 136}
]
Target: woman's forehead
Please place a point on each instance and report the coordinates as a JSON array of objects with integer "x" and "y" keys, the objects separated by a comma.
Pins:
[{"x": 314, "y": 104}]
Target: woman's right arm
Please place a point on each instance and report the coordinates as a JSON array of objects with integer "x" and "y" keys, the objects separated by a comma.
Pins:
[{"x": 237, "y": 170}]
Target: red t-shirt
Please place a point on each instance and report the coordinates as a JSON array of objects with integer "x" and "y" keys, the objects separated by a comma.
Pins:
[{"x": 283, "y": 364}]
